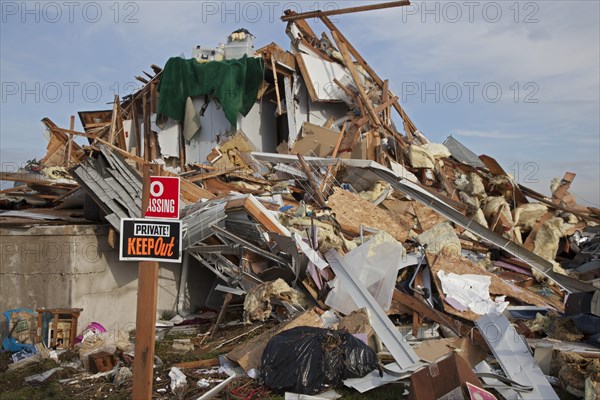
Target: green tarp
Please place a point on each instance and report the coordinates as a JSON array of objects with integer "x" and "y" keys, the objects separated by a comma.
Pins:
[{"x": 234, "y": 83}]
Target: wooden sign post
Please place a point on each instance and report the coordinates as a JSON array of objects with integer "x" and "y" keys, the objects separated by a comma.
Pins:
[{"x": 145, "y": 321}]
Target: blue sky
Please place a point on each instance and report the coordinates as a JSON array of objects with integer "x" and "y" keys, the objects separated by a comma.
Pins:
[{"x": 516, "y": 80}]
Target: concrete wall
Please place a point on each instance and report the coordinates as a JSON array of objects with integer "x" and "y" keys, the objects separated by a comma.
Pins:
[{"x": 73, "y": 266}]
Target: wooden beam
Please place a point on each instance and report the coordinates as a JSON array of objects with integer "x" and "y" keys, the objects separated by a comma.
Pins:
[
  {"x": 542, "y": 199},
  {"x": 437, "y": 316},
  {"x": 24, "y": 177},
  {"x": 378, "y": 109},
  {"x": 104, "y": 142},
  {"x": 409, "y": 126},
  {"x": 14, "y": 189},
  {"x": 290, "y": 16},
  {"x": 350, "y": 66},
  {"x": 201, "y": 177},
  {"x": 561, "y": 191},
  {"x": 304, "y": 72},
  {"x": 279, "y": 111},
  {"x": 113, "y": 120},
  {"x": 70, "y": 142},
  {"x": 145, "y": 321}
]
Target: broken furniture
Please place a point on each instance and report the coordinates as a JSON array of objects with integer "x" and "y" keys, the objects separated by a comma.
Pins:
[{"x": 57, "y": 327}]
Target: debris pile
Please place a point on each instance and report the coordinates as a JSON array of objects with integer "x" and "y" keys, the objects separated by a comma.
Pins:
[{"x": 314, "y": 210}]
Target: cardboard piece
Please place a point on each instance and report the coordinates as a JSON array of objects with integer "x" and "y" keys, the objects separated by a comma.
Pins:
[
  {"x": 443, "y": 380},
  {"x": 357, "y": 323},
  {"x": 248, "y": 355},
  {"x": 432, "y": 350},
  {"x": 315, "y": 140}
]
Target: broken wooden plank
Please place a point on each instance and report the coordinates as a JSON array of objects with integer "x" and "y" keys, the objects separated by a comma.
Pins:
[
  {"x": 317, "y": 195},
  {"x": 496, "y": 169},
  {"x": 440, "y": 317},
  {"x": 211, "y": 362},
  {"x": 409, "y": 126},
  {"x": 562, "y": 189},
  {"x": 279, "y": 110},
  {"x": 383, "y": 106},
  {"x": 292, "y": 16},
  {"x": 204, "y": 176}
]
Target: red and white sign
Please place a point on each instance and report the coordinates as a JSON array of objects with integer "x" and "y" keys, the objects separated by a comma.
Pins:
[{"x": 164, "y": 197}]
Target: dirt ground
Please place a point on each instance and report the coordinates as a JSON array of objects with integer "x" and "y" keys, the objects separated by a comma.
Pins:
[{"x": 13, "y": 386}]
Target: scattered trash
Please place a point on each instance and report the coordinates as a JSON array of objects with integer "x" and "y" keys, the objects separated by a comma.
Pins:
[
  {"x": 322, "y": 245},
  {"x": 123, "y": 375},
  {"x": 39, "y": 378},
  {"x": 178, "y": 380}
]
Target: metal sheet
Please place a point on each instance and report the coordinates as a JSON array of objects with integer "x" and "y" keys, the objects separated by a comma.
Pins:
[
  {"x": 514, "y": 356},
  {"x": 460, "y": 152},
  {"x": 404, "y": 355}
]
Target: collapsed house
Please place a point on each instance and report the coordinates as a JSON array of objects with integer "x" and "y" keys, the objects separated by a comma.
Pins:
[{"x": 305, "y": 183}]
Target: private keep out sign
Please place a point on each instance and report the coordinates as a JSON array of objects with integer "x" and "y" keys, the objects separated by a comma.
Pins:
[
  {"x": 150, "y": 240},
  {"x": 164, "y": 197}
]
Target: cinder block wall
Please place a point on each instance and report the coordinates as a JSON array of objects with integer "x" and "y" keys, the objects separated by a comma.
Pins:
[{"x": 73, "y": 266}]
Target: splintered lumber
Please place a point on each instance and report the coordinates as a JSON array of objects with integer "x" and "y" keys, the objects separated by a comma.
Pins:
[
  {"x": 25, "y": 177},
  {"x": 316, "y": 14},
  {"x": 14, "y": 189},
  {"x": 562, "y": 189},
  {"x": 542, "y": 199},
  {"x": 122, "y": 152},
  {"x": 496, "y": 169},
  {"x": 258, "y": 211},
  {"x": 409, "y": 126},
  {"x": 70, "y": 142},
  {"x": 211, "y": 362},
  {"x": 279, "y": 111},
  {"x": 214, "y": 174},
  {"x": 350, "y": 66},
  {"x": 352, "y": 212},
  {"x": 383, "y": 106},
  {"x": 441, "y": 318},
  {"x": 311, "y": 181}
]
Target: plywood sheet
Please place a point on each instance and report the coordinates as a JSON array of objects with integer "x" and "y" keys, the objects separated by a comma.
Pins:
[
  {"x": 351, "y": 211},
  {"x": 426, "y": 216}
]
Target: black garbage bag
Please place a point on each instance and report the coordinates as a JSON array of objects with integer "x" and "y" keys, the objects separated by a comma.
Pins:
[{"x": 306, "y": 360}]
